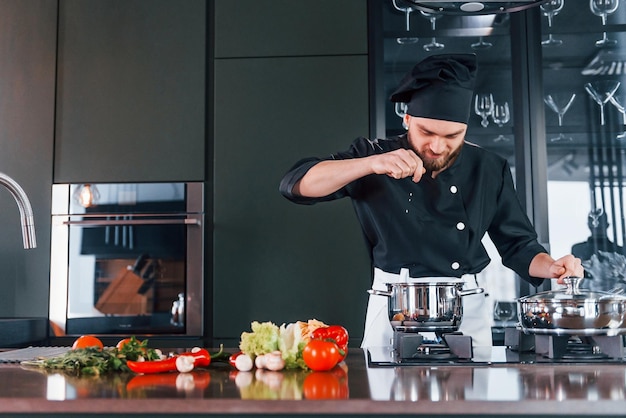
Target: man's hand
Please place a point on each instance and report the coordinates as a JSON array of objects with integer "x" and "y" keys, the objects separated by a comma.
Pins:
[
  {"x": 567, "y": 266},
  {"x": 398, "y": 164},
  {"x": 548, "y": 268}
]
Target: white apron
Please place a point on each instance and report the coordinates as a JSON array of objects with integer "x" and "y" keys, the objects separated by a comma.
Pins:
[{"x": 378, "y": 332}]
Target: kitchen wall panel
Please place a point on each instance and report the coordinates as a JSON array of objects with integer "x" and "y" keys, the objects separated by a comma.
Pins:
[
  {"x": 131, "y": 91},
  {"x": 27, "y": 65},
  {"x": 253, "y": 28},
  {"x": 274, "y": 104}
]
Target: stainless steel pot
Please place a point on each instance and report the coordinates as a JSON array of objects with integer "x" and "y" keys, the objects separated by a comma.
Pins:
[
  {"x": 573, "y": 311},
  {"x": 427, "y": 306}
]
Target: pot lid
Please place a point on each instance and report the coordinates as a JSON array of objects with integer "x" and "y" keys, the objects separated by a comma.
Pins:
[{"x": 572, "y": 291}]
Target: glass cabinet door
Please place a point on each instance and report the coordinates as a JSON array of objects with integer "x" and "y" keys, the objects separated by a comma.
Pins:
[
  {"x": 408, "y": 36},
  {"x": 584, "y": 85}
]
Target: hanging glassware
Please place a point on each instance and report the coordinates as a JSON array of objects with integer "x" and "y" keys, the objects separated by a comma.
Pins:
[
  {"x": 407, "y": 16},
  {"x": 560, "y": 103},
  {"x": 483, "y": 106},
  {"x": 433, "y": 45},
  {"x": 500, "y": 116},
  {"x": 601, "y": 92},
  {"x": 603, "y": 8},
  {"x": 550, "y": 9}
]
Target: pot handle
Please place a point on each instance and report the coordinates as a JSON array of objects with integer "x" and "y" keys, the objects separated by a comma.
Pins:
[
  {"x": 379, "y": 292},
  {"x": 475, "y": 291}
]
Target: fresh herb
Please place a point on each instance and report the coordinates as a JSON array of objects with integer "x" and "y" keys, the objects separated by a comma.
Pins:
[
  {"x": 133, "y": 349},
  {"x": 96, "y": 361},
  {"x": 88, "y": 361}
]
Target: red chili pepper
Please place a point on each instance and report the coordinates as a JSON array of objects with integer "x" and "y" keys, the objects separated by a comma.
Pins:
[
  {"x": 157, "y": 366},
  {"x": 233, "y": 358},
  {"x": 201, "y": 357}
]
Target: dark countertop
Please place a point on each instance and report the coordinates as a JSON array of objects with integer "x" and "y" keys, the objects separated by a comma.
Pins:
[{"x": 451, "y": 390}]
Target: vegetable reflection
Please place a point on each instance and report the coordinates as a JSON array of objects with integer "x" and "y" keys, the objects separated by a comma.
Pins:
[{"x": 292, "y": 384}]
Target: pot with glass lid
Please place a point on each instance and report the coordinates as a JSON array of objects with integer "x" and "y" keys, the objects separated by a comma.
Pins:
[{"x": 573, "y": 311}]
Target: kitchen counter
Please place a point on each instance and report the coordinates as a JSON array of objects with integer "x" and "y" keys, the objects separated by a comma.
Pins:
[{"x": 451, "y": 390}]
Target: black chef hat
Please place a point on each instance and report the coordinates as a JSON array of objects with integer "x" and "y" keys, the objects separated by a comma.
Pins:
[{"x": 439, "y": 87}]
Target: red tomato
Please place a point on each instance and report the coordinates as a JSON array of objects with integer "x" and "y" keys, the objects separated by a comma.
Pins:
[
  {"x": 122, "y": 343},
  {"x": 320, "y": 355},
  {"x": 85, "y": 341},
  {"x": 324, "y": 385}
]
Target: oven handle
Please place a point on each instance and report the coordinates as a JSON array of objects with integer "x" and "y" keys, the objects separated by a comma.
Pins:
[{"x": 186, "y": 221}]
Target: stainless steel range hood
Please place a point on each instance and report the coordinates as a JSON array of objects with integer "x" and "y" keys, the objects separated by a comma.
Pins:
[{"x": 473, "y": 7}]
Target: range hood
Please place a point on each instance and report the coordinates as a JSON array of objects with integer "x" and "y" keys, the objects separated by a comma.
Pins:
[{"x": 473, "y": 7}]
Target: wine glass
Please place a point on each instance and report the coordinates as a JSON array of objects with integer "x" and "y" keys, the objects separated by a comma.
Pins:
[
  {"x": 504, "y": 310},
  {"x": 483, "y": 106},
  {"x": 560, "y": 104},
  {"x": 550, "y": 9},
  {"x": 619, "y": 102},
  {"x": 481, "y": 44},
  {"x": 407, "y": 15},
  {"x": 601, "y": 92},
  {"x": 432, "y": 17},
  {"x": 501, "y": 115},
  {"x": 603, "y": 8},
  {"x": 400, "y": 109}
]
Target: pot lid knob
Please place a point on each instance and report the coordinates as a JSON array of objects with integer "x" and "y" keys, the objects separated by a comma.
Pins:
[{"x": 572, "y": 285}]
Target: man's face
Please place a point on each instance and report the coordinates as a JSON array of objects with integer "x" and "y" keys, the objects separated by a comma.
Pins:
[{"x": 436, "y": 142}]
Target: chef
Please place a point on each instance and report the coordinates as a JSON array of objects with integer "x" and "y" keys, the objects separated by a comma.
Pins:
[{"x": 425, "y": 199}]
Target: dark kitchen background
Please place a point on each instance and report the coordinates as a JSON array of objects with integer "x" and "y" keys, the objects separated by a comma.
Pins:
[{"x": 231, "y": 93}]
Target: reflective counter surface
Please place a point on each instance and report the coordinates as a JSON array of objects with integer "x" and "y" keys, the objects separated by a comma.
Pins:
[{"x": 353, "y": 388}]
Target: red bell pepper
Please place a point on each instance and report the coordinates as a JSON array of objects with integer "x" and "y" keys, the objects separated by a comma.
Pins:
[{"x": 336, "y": 333}]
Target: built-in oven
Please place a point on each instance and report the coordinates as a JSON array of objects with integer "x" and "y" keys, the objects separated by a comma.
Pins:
[{"x": 127, "y": 259}]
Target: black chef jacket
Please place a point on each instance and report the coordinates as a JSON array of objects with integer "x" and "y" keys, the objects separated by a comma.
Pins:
[{"x": 435, "y": 227}]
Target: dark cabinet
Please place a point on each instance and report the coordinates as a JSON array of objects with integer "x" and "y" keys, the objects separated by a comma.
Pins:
[
  {"x": 27, "y": 68},
  {"x": 290, "y": 80},
  {"x": 131, "y": 95}
]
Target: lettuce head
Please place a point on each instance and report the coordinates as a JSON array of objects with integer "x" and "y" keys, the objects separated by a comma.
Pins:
[{"x": 263, "y": 339}]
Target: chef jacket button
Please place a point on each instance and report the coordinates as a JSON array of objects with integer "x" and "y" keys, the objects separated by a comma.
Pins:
[
  {"x": 453, "y": 189},
  {"x": 455, "y": 266},
  {"x": 460, "y": 226}
]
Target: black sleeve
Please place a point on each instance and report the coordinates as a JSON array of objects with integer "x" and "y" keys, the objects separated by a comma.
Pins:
[
  {"x": 361, "y": 147},
  {"x": 512, "y": 233}
]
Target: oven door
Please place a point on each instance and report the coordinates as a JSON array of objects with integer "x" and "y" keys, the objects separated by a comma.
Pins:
[{"x": 136, "y": 271}]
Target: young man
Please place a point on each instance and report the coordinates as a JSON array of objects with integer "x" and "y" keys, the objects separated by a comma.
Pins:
[{"x": 426, "y": 199}]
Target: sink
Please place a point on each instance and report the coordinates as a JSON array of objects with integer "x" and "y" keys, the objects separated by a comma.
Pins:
[{"x": 16, "y": 332}]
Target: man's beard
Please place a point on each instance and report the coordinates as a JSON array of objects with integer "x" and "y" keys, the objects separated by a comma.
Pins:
[{"x": 440, "y": 163}]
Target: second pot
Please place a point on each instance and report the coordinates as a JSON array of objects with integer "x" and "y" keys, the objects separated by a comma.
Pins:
[
  {"x": 429, "y": 306},
  {"x": 573, "y": 311}
]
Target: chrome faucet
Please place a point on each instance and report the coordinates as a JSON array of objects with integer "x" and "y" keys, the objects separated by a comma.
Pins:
[{"x": 26, "y": 210}]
